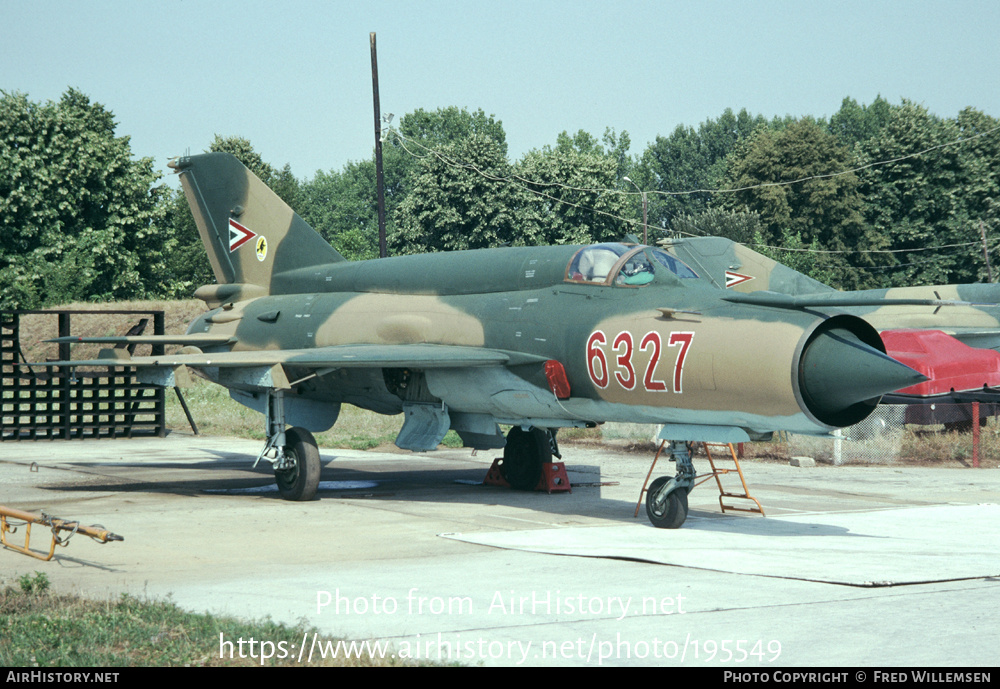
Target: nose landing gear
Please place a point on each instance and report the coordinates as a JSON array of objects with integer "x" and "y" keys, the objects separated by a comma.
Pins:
[{"x": 667, "y": 497}]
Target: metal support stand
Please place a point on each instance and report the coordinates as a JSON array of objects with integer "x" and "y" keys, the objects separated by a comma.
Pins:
[
  {"x": 686, "y": 477},
  {"x": 98, "y": 533},
  {"x": 187, "y": 412}
]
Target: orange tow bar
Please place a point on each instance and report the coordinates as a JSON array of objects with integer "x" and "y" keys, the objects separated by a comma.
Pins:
[{"x": 98, "y": 533}]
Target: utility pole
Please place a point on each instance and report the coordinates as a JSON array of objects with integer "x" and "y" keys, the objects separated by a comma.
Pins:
[
  {"x": 986, "y": 253},
  {"x": 645, "y": 232},
  {"x": 382, "y": 251}
]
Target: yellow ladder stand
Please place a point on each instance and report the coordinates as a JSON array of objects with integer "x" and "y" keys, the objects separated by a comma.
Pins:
[{"x": 717, "y": 472}]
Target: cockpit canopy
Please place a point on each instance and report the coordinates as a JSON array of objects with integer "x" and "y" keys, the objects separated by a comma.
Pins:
[{"x": 622, "y": 264}]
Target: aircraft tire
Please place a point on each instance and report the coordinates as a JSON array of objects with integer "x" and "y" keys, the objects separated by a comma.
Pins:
[
  {"x": 674, "y": 513},
  {"x": 300, "y": 482},
  {"x": 523, "y": 456}
]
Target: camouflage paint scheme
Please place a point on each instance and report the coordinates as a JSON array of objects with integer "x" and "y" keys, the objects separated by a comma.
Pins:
[
  {"x": 461, "y": 340},
  {"x": 537, "y": 338},
  {"x": 725, "y": 262}
]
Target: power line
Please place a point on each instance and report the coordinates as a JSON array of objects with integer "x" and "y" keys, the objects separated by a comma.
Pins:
[
  {"x": 869, "y": 251},
  {"x": 763, "y": 185},
  {"x": 831, "y": 174},
  {"x": 528, "y": 184}
]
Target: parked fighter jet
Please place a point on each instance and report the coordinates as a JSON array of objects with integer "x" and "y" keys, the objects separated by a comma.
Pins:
[
  {"x": 916, "y": 332},
  {"x": 972, "y": 318},
  {"x": 537, "y": 338}
]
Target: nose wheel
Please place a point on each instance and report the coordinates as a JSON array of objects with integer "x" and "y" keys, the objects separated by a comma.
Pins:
[
  {"x": 666, "y": 505},
  {"x": 667, "y": 497}
]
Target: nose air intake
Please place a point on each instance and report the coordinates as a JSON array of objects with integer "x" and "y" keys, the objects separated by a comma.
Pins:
[{"x": 842, "y": 376}]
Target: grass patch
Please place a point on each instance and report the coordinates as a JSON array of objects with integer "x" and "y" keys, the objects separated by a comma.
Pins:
[
  {"x": 41, "y": 629},
  {"x": 928, "y": 445},
  {"x": 214, "y": 412}
]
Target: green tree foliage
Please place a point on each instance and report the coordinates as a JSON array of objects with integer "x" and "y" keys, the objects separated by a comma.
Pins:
[
  {"x": 567, "y": 200},
  {"x": 464, "y": 193},
  {"x": 281, "y": 182},
  {"x": 854, "y": 123},
  {"x": 980, "y": 186},
  {"x": 740, "y": 226},
  {"x": 791, "y": 251},
  {"x": 461, "y": 198},
  {"x": 981, "y": 161},
  {"x": 453, "y": 191},
  {"x": 933, "y": 199},
  {"x": 343, "y": 206},
  {"x": 789, "y": 176},
  {"x": 79, "y": 217},
  {"x": 615, "y": 147},
  {"x": 569, "y": 191},
  {"x": 422, "y": 131},
  {"x": 446, "y": 126},
  {"x": 688, "y": 160},
  {"x": 188, "y": 264}
]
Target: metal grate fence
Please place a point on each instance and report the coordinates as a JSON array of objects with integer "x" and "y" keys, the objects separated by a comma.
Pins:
[{"x": 59, "y": 403}]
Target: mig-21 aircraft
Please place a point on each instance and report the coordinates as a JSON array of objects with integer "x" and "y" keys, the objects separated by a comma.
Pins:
[
  {"x": 973, "y": 316},
  {"x": 535, "y": 338},
  {"x": 958, "y": 347}
]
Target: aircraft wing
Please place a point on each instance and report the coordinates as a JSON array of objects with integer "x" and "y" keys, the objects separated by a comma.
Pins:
[
  {"x": 195, "y": 340},
  {"x": 834, "y": 299},
  {"x": 267, "y": 368},
  {"x": 980, "y": 338},
  {"x": 340, "y": 356}
]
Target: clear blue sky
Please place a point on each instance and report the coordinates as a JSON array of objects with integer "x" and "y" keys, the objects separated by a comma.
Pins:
[{"x": 295, "y": 77}]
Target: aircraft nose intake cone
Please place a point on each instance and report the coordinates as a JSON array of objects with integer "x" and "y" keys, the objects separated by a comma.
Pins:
[{"x": 839, "y": 371}]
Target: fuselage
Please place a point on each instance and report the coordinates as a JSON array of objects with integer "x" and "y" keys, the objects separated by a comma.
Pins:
[{"x": 640, "y": 338}]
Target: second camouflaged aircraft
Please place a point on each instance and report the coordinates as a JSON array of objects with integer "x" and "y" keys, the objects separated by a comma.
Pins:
[
  {"x": 538, "y": 338},
  {"x": 973, "y": 316}
]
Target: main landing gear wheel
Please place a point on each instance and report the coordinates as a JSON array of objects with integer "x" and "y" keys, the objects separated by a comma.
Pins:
[
  {"x": 300, "y": 480},
  {"x": 669, "y": 512},
  {"x": 523, "y": 456}
]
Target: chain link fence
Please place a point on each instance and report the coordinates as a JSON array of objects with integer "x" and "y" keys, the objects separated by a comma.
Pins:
[
  {"x": 899, "y": 432},
  {"x": 914, "y": 434}
]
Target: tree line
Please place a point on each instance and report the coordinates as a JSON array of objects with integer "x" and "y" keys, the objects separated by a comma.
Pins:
[{"x": 878, "y": 195}]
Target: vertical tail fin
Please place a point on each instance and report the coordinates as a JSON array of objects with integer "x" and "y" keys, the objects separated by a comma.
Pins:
[{"x": 249, "y": 232}]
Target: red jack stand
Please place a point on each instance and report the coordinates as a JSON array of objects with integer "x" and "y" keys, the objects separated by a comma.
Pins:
[
  {"x": 494, "y": 477},
  {"x": 552, "y": 480}
]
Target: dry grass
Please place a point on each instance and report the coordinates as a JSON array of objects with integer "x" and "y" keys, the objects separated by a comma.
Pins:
[
  {"x": 932, "y": 445},
  {"x": 912, "y": 446},
  {"x": 215, "y": 413}
]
